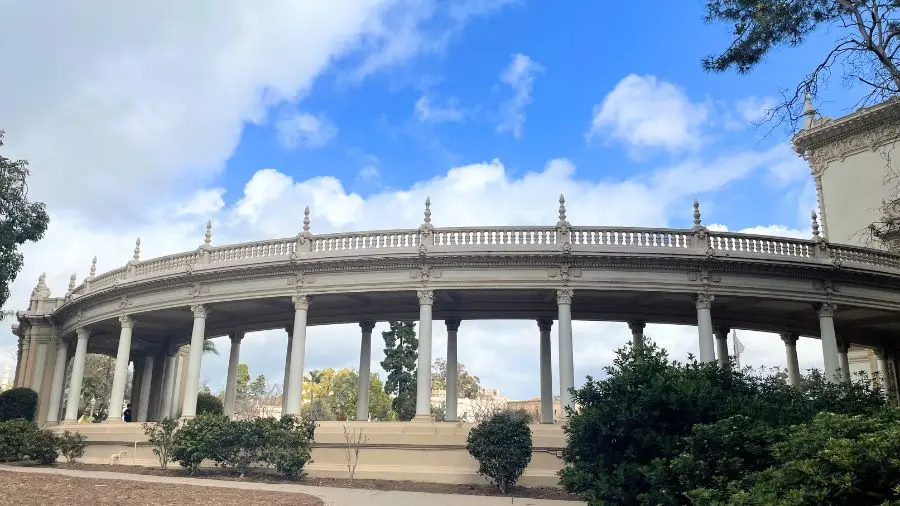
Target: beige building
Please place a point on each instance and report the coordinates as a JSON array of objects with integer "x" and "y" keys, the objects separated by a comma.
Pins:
[{"x": 533, "y": 407}]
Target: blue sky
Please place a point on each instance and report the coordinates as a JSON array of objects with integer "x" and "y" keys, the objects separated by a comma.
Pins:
[{"x": 148, "y": 120}]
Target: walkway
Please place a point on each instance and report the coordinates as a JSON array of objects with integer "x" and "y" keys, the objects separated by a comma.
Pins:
[{"x": 331, "y": 496}]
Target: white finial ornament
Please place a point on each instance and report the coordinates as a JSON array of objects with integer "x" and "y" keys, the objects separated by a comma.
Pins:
[
  {"x": 809, "y": 112},
  {"x": 815, "y": 225},
  {"x": 71, "y": 283},
  {"x": 94, "y": 267},
  {"x": 207, "y": 237},
  {"x": 427, "y": 210},
  {"x": 137, "y": 250},
  {"x": 562, "y": 208},
  {"x": 306, "y": 219},
  {"x": 697, "y": 223}
]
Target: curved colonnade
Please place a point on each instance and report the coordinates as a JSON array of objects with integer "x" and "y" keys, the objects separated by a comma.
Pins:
[{"x": 157, "y": 312}]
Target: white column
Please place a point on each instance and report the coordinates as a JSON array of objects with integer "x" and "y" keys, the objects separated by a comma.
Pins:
[
  {"x": 298, "y": 355},
  {"x": 423, "y": 386},
  {"x": 195, "y": 360},
  {"x": 721, "y": 333},
  {"x": 881, "y": 357},
  {"x": 450, "y": 411},
  {"x": 39, "y": 362},
  {"x": 168, "y": 387},
  {"x": 59, "y": 377},
  {"x": 566, "y": 353},
  {"x": 120, "y": 378},
  {"x": 176, "y": 392},
  {"x": 544, "y": 325},
  {"x": 146, "y": 381},
  {"x": 829, "y": 341},
  {"x": 365, "y": 361},
  {"x": 77, "y": 375},
  {"x": 287, "y": 369},
  {"x": 793, "y": 365},
  {"x": 637, "y": 333},
  {"x": 843, "y": 359},
  {"x": 234, "y": 357},
  {"x": 705, "y": 328}
]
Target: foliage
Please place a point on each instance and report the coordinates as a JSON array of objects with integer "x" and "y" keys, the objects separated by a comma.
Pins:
[
  {"x": 209, "y": 347},
  {"x": 866, "y": 43},
  {"x": 439, "y": 412},
  {"x": 42, "y": 446},
  {"x": 17, "y": 403},
  {"x": 209, "y": 404},
  {"x": 293, "y": 448},
  {"x": 654, "y": 429},
  {"x": 20, "y": 220},
  {"x": 354, "y": 442},
  {"x": 199, "y": 439},
  {"x": 502, "y": 447},
  {"x": 71, "y": 445},
  {"x": 252, "y": 396},
  {"x": 160, "y": 436},
  {"x": 344, "y": 390},
  {"x": 97, "y": 386},
  {"x": 467, "y": 385},
  {"x": 23, "y": 440},
  {"x": 400, "y": 356},
  {"x": 379, "y": 400}
]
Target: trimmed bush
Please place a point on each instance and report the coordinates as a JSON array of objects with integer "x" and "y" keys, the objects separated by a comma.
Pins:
[
  {"x": 292, "y": 449},
  {"x": 42, "y": 447},
  {"x": 502, "y": 447},
  {"x": 199, "y": 439},
  {"x": 17, "y": 403},
  {"x": 71, "y": 445},
  {"x": 160, "y": 436},
  {"x": 209, "y": 404},
  {"x": 22, "y": 440}
]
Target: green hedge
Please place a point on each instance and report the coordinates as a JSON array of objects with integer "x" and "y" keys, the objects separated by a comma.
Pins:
[
  {"x": 502, "y": 446},
  {"x": 209, "y": 404},
  {"x": 23, "y": 440},
  {"x": 17, "y": 403}
]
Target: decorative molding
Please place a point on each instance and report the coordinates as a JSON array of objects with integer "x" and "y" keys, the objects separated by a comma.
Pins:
[
  {"x": 544, "y": 324},
  {"x": 636, "y": 326},
  {"x": 236, "y": 337},
  {"x": 199, "y": 310},
  {"x": 426, "y": 297},
  {"x": 452, "y": 324},
  {"x": 866, "y": 128},
  {"x": 826, "y": 309},
  {"x": 789, "y": 338},
  {"x": 196, "y": 290},
  {"x": 564, "y": 296},
  {"x": 301, "y": 302},
  {"x": 704, "y": 300},
  {"x": 367, "y": 326},
  {"x": 126, "y": 321},
  {"x": 721, "y": 331}
]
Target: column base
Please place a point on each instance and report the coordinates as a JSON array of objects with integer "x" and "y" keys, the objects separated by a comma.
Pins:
[{"x": 423, "y": 419}]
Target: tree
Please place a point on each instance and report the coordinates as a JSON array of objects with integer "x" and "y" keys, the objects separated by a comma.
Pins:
[
  {"x": 20, "y": 220},
  {"x": 209, "y": 347},
  {"x": 343, "y": 396},
  {"x": 866, "y": 44},
  {"x": 400, "y": 355},
  {"x": 379, "y": 400},
  {"x": 467, "y": 385},
  {"x": 96, "y": 387}
]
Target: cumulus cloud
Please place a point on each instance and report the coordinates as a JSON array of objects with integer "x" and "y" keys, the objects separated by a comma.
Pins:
[
  {"x": 427, "y": 111},
  {"x": 304, "y": 130},
  {"x": 518, "y": 75},
  {"x": 643, "y": 112}
]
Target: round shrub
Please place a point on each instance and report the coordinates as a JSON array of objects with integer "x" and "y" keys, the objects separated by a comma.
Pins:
[
  {"x": 43, "y": 447},
  {"x": 71, "y": 445},
  {"x": 18, "y": 403},
  {"x": 209, "y": 404},
  {"x": 14, "y": 437},
  {"x": 502, "y": 446}
]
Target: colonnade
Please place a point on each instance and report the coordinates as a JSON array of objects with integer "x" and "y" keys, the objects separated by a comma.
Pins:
[{"x": 712, "y": 347}]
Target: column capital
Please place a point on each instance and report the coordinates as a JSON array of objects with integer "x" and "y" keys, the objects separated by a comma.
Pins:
[
  {"x": 637, "y": 326},
  {"x": 199, "y": 310},
  {"x": 426, "y": 297},
  {"x": 452, "y": 324},
  {"x": 367, "y": 326},
  {"x": 82, "y": 333},
  {"x": 126, "y": 321},
  {"x": 564, "y": 296},
  {"x": 704, "y": 300},
  {"x": 789, "y": 338},
  {"x": 826, "y": 309},
  {"x": 236, "y": 336},
  {"x": 545, "y": 324},
  {"x": 721, "y": 331},
  {"x": 301, "y": 302}
]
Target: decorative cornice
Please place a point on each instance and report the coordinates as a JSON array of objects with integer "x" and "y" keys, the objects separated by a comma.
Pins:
[{"x": 859, "y": 130}]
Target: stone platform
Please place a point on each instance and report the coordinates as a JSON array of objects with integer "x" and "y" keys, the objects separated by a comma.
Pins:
[{"x": 424, "y": 452}]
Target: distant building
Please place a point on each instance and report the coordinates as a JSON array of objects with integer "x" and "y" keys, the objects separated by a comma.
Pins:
[
  {"x": 6, "y": 380},
  {"x": 470, "y": 410},
  {"x": 533, "y": 407}
]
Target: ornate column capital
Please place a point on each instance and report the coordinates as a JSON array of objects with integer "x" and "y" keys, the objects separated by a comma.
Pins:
[
  {"x": 199, "y": 310},
  {"x": 367, "y": 326},
  {"x": 789, "y": 338},
  {"x": 564, "y": 296},
  {"x": 126, "y": 321},
  {"x": 544, "y": 324},
  {"x": 426, "y": 297},
  {"x": 826, "y": 309},
  {"x": 721, "y": 331},
  {"x": 704, "y": 300},
  {"x": 301, "y": 302},
  {"x": 452, "y": 324},
  {"x": 82, "y": 333},
  {"x": 637, "y": 326},
  {"x": 236, "y": 336}
]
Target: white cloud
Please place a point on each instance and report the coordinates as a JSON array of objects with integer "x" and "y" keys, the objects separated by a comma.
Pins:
[
  {"x": 754, "y": 109},
  {"x": 427, "y": 111},
  {"x": 369, "y": 172},
  {"x": 646, "y": 112},
  {"x": 203, "y": 203},
  {"x": 304, "y": 130},
  {"x": 518, "y": 75}
]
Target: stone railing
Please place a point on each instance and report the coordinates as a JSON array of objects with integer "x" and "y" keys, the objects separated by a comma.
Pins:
[{"x": 582, "y": 240}]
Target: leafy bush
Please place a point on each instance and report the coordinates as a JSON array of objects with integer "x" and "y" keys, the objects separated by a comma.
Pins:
[
  {"x": 502, "y": 447},
  {"x": 18, "y": 403},
  {"x": 200, "y": 439},
  {"x": 42, "y": 446},
  {"x": 292, "y": 450},
  {"x": 655, "y": 429},
  {"x": 71, "y": 445},
  {"x": 22, "y": 440},
  {"x": 209, "y": 404},
  {"x": 160, "y": 436}
]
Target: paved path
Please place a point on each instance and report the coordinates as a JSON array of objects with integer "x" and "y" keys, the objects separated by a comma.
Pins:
[{"x": 331, "y": 496}]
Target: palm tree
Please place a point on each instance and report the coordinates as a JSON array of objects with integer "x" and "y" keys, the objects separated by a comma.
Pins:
[{"x": 209, "y": 347}]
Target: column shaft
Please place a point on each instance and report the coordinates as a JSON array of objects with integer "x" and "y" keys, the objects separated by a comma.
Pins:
[
  {"x": 120, "y": 378},
  {"x": 146, "y": 385},
  {"x": 452, "y": 382},
  {"x": 844, "y": 359},
  {"x": 59, "y": 377},
  {"x": 637, "y": 333},
  {"x": 566, "y": 352},
  {"x": 365, "y": 362},
  {"x": 544, "y": 325},
  {"x": 234, "y": 358},
  {"x": 829, "y": 342},
  {"x": 287, "y": 369},
  {"x": 705, "y": 327},
  {"x": 165, "y": 410},
  {"x": 423, "y": 386},
  {"x": 881, "y": 357},
  {"x": 77, "y": 375},
  {"x": 721, "y": 333},
  {"x": 195, "y": 361},
  {"x": 298, "y": 355},
  {"x": 793, "y": 365},
  {"x": 177, "y": 398},
  {"x": 39, "y": 362}
]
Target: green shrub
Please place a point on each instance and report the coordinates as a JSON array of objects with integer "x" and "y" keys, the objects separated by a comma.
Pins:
[
  {"x": 18, "y": 403},
  {"x": 200, "y": 439},
  {"x": 14, "y": 437},
  {"x": 71, "y": 445},
  {"x": 160, "y": 436},
  {"x": 502, "y": 447},
  {"x": 249, "y": 442},
  {"x": 42, "y": 447},
  {"x": 292, "y": 448},
  {"x": 209, "y": 404}
]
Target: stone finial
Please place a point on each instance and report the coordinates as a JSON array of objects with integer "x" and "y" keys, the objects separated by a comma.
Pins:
[
  {"x": 562, "y": 208},
  {"x": 306, "y": 220},
  {"x": 93, "y": 267},
  {"x": 697, "y": 222},
  {"x": 427, "y": 210},
  {"x": 71, "y": 283},
  {"x": 137, "y": 250},
  {"x": 815, "y": 226},
  {"x": 809, "y": 112},
  {"x": 207, "y": 236},
  {"x": 40, "y": 290}
]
